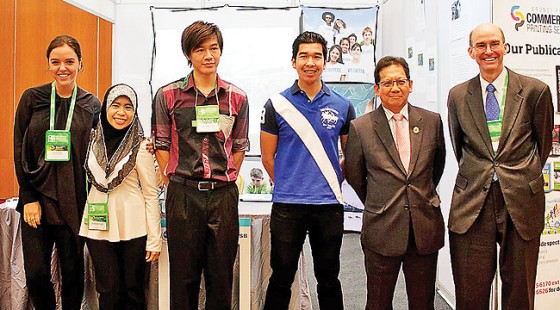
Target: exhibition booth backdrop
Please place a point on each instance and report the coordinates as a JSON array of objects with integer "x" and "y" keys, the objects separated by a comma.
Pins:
[
  {"x": 257, "y": 51},
  {"x": 251, "y": 57},
  {"x": 436, "y": 31},
  {"x": 532, "y": 31}
]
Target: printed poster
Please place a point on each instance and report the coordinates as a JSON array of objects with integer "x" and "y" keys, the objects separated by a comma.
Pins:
[{"x": 351, "y": 36}]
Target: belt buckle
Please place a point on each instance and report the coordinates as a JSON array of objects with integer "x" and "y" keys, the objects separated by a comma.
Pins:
[{"x": 202, "y": 186}]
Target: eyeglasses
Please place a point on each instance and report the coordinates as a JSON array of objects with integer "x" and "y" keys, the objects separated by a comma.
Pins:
[
  {"x": 494, "y": 46},
  {"x": 389, "y": 84}
]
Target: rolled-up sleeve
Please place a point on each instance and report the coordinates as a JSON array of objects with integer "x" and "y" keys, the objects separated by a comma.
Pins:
[
  {"x": 161, "y": 122},
  {"x": 240, "y": 133}
]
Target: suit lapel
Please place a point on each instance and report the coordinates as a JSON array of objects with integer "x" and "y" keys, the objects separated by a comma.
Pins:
[
  {"x": 476, "y": 107},
  {"x": 512, "y": 106},
  {"x": 384, "y": 133},
  {"x": 416, "y": 134}
]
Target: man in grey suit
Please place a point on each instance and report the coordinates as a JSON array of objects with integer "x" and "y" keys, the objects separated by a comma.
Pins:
[
  {"x": 501, "y": 128},
  {"x": 394, "y": 160}
]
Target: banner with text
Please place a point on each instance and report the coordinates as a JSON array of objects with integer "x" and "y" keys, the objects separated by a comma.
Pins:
[
  {"x": 532, "y": 31},
  {"x": 532, "y": 35}
]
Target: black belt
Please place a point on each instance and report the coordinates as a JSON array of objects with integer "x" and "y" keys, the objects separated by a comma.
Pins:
[{"x": 202, "y": 186}]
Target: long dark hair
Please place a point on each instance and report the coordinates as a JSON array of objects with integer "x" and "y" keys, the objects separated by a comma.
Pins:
[{"x": 336, "y": 46}]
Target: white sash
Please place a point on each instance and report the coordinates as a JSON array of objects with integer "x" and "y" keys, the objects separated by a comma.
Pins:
[{"x": 307, "y": 134}]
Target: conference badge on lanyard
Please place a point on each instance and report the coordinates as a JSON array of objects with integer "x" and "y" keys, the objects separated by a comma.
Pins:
[
  {"x": 57, "y": 145},
  {"x": 97, "y": 216},
  {"x": 58, "y": 142},
  {"x": 207, "y": 118}
]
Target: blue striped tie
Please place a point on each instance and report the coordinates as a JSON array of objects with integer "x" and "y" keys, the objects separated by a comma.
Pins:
[{"x": 492, "y": 106}]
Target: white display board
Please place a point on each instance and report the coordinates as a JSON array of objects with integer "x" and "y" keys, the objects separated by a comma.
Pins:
[{"x": 256, "y": 55}]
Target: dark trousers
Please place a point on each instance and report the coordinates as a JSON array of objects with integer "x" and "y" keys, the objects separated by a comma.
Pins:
[
  {"x": 473, "y": 259},
  {"x": 419, "y": 273},
  {"x": 202, "y": 236},
  {"x": 289, "y": 224},
  {"x": 119, "y": 272},
  {"x": 37, "y": 251}
]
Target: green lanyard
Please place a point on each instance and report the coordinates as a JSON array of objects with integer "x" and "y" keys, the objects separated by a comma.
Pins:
[
  {"x": 70, "y": 113},
  {"x": 97, "y": 213},
  {"x": 207, "y": 116},
  {"x": 87, "y": 191},
  {"x": 503, "y": 103}
]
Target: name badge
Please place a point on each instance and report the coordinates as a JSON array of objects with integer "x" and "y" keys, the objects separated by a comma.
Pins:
[
  {"x": 57, "y": 145},
  {"x": 495, "y": 129},
  {"x": 207, "y": 118},
  {"x": 98, "y": 216}
]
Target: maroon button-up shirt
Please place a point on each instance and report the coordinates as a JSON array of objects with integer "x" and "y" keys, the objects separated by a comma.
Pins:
[{"x": 196, "y": 155}]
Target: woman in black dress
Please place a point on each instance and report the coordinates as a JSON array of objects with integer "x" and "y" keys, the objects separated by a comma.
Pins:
[{"x": 52, "y": 128}]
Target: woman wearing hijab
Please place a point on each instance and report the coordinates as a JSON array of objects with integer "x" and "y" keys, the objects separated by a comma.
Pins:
[
  {"x": 121, "y": 222},
  {"x": 52, "y": 126}
]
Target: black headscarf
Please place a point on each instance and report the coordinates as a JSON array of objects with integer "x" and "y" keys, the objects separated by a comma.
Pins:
[{"x": 112, "y": 152}]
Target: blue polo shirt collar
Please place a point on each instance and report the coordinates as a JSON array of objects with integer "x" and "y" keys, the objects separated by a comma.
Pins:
[{"x": 296, "y": 89}]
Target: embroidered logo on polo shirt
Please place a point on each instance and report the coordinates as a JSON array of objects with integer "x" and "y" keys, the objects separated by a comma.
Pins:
[{"x": 329, "y": 117}]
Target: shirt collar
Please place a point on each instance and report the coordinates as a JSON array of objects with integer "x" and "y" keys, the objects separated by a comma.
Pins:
[
  {"x": 498, "y": 82},
  {"x": 295, "y": 88},
  {"x": 190, "y": 82},
  {"x": 389, "y": 114}
]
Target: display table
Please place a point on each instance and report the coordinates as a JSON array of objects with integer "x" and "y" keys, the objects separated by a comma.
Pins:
[
  {"x": 13, "y": 289},
  {"x": 259, "y": 213}
]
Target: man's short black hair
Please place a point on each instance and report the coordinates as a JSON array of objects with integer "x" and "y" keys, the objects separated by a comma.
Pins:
[
  {"x": 309, "y": 37},
  {"x": 389, "y": 61}
]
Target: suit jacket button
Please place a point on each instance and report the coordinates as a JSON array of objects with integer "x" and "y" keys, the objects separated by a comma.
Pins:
[
  {"x": 496, "y": 164},
  {"x": 484, "y": 188},
  {"x": 406, "y": 207}
]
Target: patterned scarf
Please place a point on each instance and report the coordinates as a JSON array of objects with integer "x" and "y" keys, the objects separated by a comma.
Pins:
[{"x": 112, "y": 153}]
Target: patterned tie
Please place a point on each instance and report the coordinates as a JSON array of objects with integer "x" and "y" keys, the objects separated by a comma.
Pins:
[
  {"x": 402, "y": 136},
  {"x": 492, "y": 106}
]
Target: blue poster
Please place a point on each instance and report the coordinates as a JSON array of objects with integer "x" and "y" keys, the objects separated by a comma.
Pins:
[{"x": 362, "y": 96}]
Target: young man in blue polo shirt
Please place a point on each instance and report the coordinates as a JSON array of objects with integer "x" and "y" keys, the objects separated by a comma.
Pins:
[{"x": 300, "y": 128}]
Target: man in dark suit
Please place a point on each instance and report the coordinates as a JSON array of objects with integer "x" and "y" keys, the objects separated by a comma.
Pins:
[
  {"x": 394, "y": 160},
  {"x": 501, "y": 128}
]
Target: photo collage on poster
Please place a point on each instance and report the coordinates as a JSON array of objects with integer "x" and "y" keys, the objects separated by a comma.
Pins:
[{"x": 351, "y": 36}]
